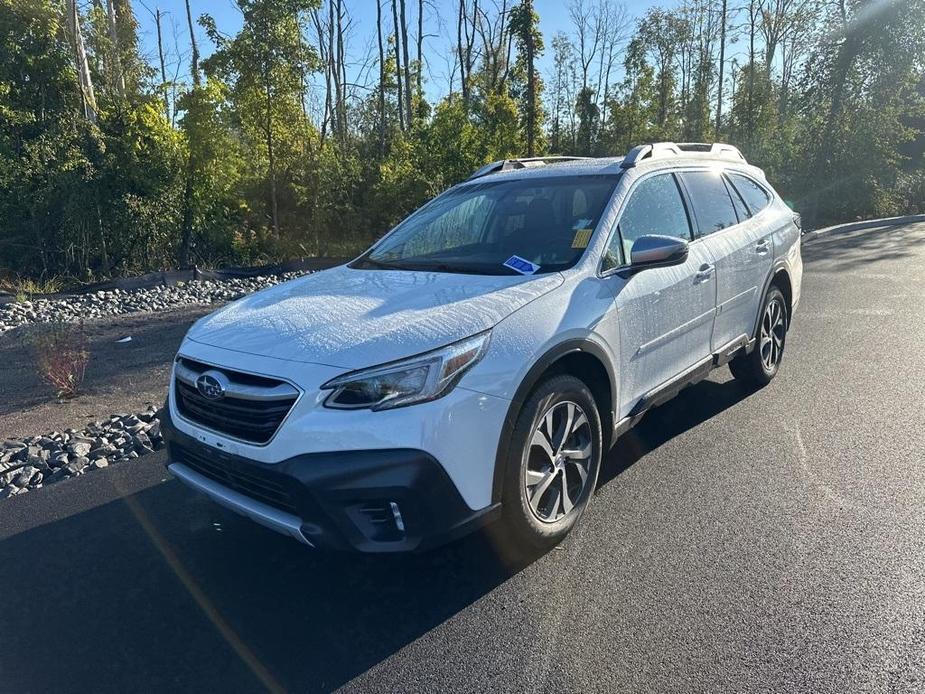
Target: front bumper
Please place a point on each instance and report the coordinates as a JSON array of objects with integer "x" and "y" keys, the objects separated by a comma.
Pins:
[{"x": 385, "y": 500}]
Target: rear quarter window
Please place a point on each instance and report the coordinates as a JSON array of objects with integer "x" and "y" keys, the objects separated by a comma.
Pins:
[{"x": 756, "y": 197}]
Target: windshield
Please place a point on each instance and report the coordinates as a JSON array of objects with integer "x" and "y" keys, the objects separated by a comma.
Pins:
[{"x": 535, "y": 225}]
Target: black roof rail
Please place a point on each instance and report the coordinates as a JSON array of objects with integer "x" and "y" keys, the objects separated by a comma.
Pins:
[
  {"x": 659, "y": 150},
  {"x": 521, "y": 163}
]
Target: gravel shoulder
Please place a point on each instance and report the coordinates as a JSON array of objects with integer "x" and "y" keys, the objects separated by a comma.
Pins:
[{"x": 120, "y": 377}]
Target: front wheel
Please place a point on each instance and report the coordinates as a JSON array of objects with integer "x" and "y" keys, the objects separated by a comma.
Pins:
[
  {"x": 762, "y": 365},
  {"x": 552, "y": 470}
]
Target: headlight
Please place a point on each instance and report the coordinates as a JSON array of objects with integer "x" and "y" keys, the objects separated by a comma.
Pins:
[{"x": 421, "y": 378}]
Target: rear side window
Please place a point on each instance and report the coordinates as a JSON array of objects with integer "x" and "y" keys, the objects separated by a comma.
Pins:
[
  {"x": 711, "y": 202},
  {"x": 756, "y": 197},
  {"x": 654, "y": 207}
]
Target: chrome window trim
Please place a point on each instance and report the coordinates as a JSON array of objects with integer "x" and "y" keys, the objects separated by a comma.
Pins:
[
  {"x": 601, "y": 272},
  {"x": 723, "y": 168}
]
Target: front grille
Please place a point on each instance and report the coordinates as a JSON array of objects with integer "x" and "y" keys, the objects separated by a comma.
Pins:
[
  {"x": 251, "y": 418},
  {"x": 251, "y": 483}
]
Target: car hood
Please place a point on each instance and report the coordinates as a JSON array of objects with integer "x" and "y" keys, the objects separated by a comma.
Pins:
[{"x": 351, "y": 318}]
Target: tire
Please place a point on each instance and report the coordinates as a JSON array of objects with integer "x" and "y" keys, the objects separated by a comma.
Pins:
[
  {"x": 761, "y": 366},
  {"x": 533, "y": 520}
]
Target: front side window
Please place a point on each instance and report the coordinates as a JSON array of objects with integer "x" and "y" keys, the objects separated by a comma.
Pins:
[
  {"x": 477, "y": 228},
  {"x": 655, "y": 207},
  {"x": 711, "y": 202},
  {"x": 755, "y": 196}
]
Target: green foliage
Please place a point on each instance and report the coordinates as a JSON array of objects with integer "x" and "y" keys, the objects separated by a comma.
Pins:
[{"x": 239, "y": 170}]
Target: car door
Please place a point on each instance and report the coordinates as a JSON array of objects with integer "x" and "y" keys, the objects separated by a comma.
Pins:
[
  {"x": 740, "y": 251},
  {"x": 664, "y": 316}
]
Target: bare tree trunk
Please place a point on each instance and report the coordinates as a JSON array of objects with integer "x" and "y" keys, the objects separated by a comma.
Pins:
[
  {"x": 752, "y": 20},
  {"x": 382, "y": 122},
  {"x": 407, "y": 65},
  {"x": 119, "y": 75},
  {"x": 722, "y": 64},
  {"x": 343, "y": 71},
  {"x": 531, "y": 83},
  {"x": 340, "y": 80},
  {"x": 401, "y": 101},
  {"x": 324, "y": 51},
  {"x": 160, "y": 54},
  {"x": 194, "y": 60},
  {"x": 420, "y": 71},
  {"x": 104, "y": 253},
  {"x": 85, "y": 83},
  {"x": 186, "y": 226},
  {"x": 461, "y": 32},
  {"x": 271, "y": 159},
  {"x": 332, "y": 69}
]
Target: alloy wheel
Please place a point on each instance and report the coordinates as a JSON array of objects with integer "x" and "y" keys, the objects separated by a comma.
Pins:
[
  {"x": 773, "y": 330},
  {"x": 558, "y": 462}
]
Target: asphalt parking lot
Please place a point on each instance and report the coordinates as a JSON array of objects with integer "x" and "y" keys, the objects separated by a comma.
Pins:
[{"x": 763, "y": 541}]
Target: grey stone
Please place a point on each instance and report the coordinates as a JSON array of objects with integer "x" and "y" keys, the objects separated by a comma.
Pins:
[
  {"x": 26, "y": 476},
  {"x": 76, "y": 466},
  {"x": 79, "y": 449},
  {"x": 102, "y": 452}
]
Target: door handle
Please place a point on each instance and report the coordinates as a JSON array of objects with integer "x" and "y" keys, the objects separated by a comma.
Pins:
[
  {"x": 704, "y": 273},
  {"x": 763, "y": 247}
]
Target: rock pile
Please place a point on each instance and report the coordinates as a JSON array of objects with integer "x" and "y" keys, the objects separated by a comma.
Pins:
[{"x": 38, "y": 461}]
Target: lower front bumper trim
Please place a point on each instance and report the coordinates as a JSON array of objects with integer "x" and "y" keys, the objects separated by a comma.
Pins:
[{"x": 267, "y": 516}]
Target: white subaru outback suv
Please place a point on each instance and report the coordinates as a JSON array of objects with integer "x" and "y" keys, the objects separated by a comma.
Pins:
[{"x": 476, "y": 363}]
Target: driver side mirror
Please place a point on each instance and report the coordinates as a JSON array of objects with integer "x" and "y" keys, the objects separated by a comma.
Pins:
[{"x": 657, "y": 251}]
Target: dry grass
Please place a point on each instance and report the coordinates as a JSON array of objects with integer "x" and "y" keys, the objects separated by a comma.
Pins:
[
  {"x": 61, "y": 352},
  {"x": 24, "y": 288}
]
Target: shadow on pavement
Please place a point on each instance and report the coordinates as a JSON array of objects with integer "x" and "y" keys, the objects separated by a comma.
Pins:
[
  {"x": 854, "y": 250},
  {"x": 692, "y": 406},
  {"x": 164, "y": 590}
]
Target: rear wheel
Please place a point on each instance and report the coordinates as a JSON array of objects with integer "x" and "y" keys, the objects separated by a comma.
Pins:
[
  {"x": 762, "y": 365},
  {"x": 552, "y": 470}
]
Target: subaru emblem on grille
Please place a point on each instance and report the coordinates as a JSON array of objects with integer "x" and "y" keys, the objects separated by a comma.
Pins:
[{"x": 211, "y": 385}]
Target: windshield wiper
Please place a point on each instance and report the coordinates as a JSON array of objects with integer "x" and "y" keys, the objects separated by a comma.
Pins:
[
  {"x": 380, "y": 264},
  {"x": 436, "y": 266},
  {"x": 460, "y": 268}
]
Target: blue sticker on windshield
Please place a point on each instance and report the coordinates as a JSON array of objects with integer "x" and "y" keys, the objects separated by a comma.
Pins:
[{"x": 521, "y": 265}]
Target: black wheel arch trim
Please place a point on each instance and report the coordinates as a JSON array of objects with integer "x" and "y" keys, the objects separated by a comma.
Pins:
[
  {"x": 529, "y": 382},
  {"x": 775, "y": 269}
]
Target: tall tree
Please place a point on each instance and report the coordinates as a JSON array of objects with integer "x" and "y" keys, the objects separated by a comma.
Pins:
[
  {"x": 724, "y": 20},
  {"x": 382, "y": 76},
  {"x": 406, "y": 64},
  {"x": 398, "y": 70},
  {"x": 663, "y": 33},
  {"x": 524, "y": 25},
  {"x": 116, "y": 62},
  {"x": 263, "y": 63},
  {"x": 84, "y": 80},
  {"x": 194, "y": 48},
  {"x": 160, "y": 55}
]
